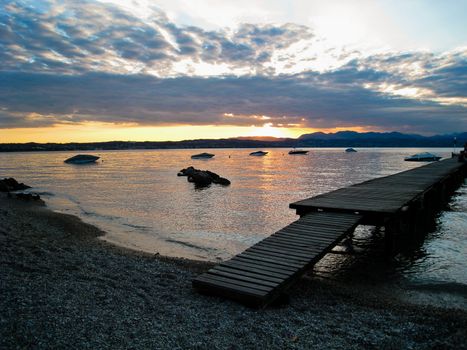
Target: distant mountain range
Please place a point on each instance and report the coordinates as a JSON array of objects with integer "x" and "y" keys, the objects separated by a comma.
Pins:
[
  {"x": 317, "y": 139},
  {"x": 379, "y": 139},
  {"x": 353, "y": 135}
]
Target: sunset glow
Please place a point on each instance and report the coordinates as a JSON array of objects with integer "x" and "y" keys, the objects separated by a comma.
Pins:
[
  {"x": 171, "y": 70},
  {"x": 95, "y": 132}
]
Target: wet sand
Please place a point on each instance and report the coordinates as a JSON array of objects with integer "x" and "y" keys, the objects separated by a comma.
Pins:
[{"x": 61, "y": 287}]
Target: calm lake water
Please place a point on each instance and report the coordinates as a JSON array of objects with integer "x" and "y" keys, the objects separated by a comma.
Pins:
[{"x": 137, "y": 198}]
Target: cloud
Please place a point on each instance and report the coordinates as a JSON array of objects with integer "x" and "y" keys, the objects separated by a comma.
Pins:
[
  {"x": 71, "y": 38},
  {"x": 315, "y": 100},
  {"x": 440, "y": 78},
  {"x": 63, "y": 62}
]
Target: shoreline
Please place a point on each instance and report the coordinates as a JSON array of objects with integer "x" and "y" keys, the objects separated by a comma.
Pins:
[
  {"x": 61, "y": 286},
  {"x": 96, "y": 236}
]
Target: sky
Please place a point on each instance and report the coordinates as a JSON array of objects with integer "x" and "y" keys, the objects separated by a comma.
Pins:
[{"x": 82, "y": 71}]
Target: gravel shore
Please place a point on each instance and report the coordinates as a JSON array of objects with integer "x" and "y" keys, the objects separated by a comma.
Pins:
[{"x": 61, "y": 287}]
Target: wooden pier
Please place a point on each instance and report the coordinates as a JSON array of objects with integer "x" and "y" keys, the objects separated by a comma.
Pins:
[{"x": 399, "y": 202}]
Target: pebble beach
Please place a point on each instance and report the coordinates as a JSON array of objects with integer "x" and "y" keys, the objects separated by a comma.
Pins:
[{"x": 63, "y": 287}]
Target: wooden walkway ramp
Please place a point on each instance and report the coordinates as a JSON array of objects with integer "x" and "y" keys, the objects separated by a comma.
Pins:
[{"x": 262, "y": 272}]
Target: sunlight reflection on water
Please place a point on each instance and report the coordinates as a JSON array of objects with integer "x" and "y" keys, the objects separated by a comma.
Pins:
[{"x": 137, "y": 198}]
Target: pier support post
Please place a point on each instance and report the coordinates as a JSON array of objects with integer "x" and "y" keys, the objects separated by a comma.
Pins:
[{"x": 391, "y": 231}]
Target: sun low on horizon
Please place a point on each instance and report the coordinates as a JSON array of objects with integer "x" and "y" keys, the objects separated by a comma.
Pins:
[
  {"x": 103, "y": 133},
  {"x": 170, "y": 70}
]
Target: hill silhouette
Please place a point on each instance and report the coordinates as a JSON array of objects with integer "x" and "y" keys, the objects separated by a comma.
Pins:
[{"x": 317, "y": 139}]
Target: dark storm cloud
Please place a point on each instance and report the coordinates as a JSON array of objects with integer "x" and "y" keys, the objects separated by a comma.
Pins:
[{"x": 192, "y": 100}]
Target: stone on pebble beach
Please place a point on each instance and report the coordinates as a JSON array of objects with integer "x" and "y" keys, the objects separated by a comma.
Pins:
[
  {"x": 10, "y": 184},
  {"x": 28, "y": 197}
]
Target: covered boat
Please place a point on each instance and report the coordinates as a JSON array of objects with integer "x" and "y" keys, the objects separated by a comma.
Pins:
[
  {"x": 82, "y": 159},
  {"x": 258, "y": 153},
  {"x": 298, "y": 151},
  {"x": 203, "y": 155},
  {"x": 350, "y": 149},
  {"x": 423, "y": 157}
]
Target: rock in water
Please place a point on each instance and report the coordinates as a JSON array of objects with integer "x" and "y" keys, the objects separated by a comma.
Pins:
[
  {"x": 223, "y": 181},
  {"x": 202, "y": 178},
  {"x": 187, "y": 172}
]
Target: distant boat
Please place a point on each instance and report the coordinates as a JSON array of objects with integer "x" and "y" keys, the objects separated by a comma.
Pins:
[
  {"x": 423, "y": 157},
  {"x": 349, "y": 150},
  {"x": 298, "y": 151},
  {"x": 203, "y": 155},
  {"x": 82, "y": 159},
  {"x": 258, "y": 153}
]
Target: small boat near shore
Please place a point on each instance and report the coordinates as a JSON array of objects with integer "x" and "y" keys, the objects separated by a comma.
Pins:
[
  {"x": 258, "y": 153},
  {"x": 298, "y": 151},
  {"x": 203, "y": 155},
  {"x": 82, "y": 159},
  {"x": 350, "y": 150},
  {"x": 423, "y": 157}
]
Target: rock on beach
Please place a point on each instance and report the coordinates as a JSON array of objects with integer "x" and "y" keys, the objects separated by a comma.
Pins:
[{"x": 10, "y": 184}]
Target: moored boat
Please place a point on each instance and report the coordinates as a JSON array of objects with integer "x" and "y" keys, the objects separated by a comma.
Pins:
[
  {"x": 350, "y": 149},
  {"x": 423, "y": 157},
  {"x": 258, "y": 153},
  {"x": 203, "y": 155},
  {"x": 298, "y": 151},
  {"x": 82, "y": 159}
]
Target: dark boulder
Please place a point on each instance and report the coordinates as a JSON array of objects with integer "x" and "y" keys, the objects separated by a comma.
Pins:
[
  {"x": 28, "y": 197},
  {"x": 10, "y": 184},
  {"x": 202, "y": 178},
  {"x": 188, "y": 171},
  {"x": 222, "y": 181},
  {"x": 3, "y": 187}
]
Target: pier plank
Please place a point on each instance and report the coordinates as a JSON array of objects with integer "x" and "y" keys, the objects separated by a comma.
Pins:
[
  {"x": 260, "y": 276},
  {"x": 264, "y": 264},
  {"x": 288, "y": 247},
  {"x": 280, "y": 253},
  {"x": 306, "y": 245},
  {"x": 271, "y": 260},
  {"x": 243, "y": 278},
  {"x": 256, "y": 268},
  {"x": 274, "y": 258},
  {"x": 239, "y": 284}
]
